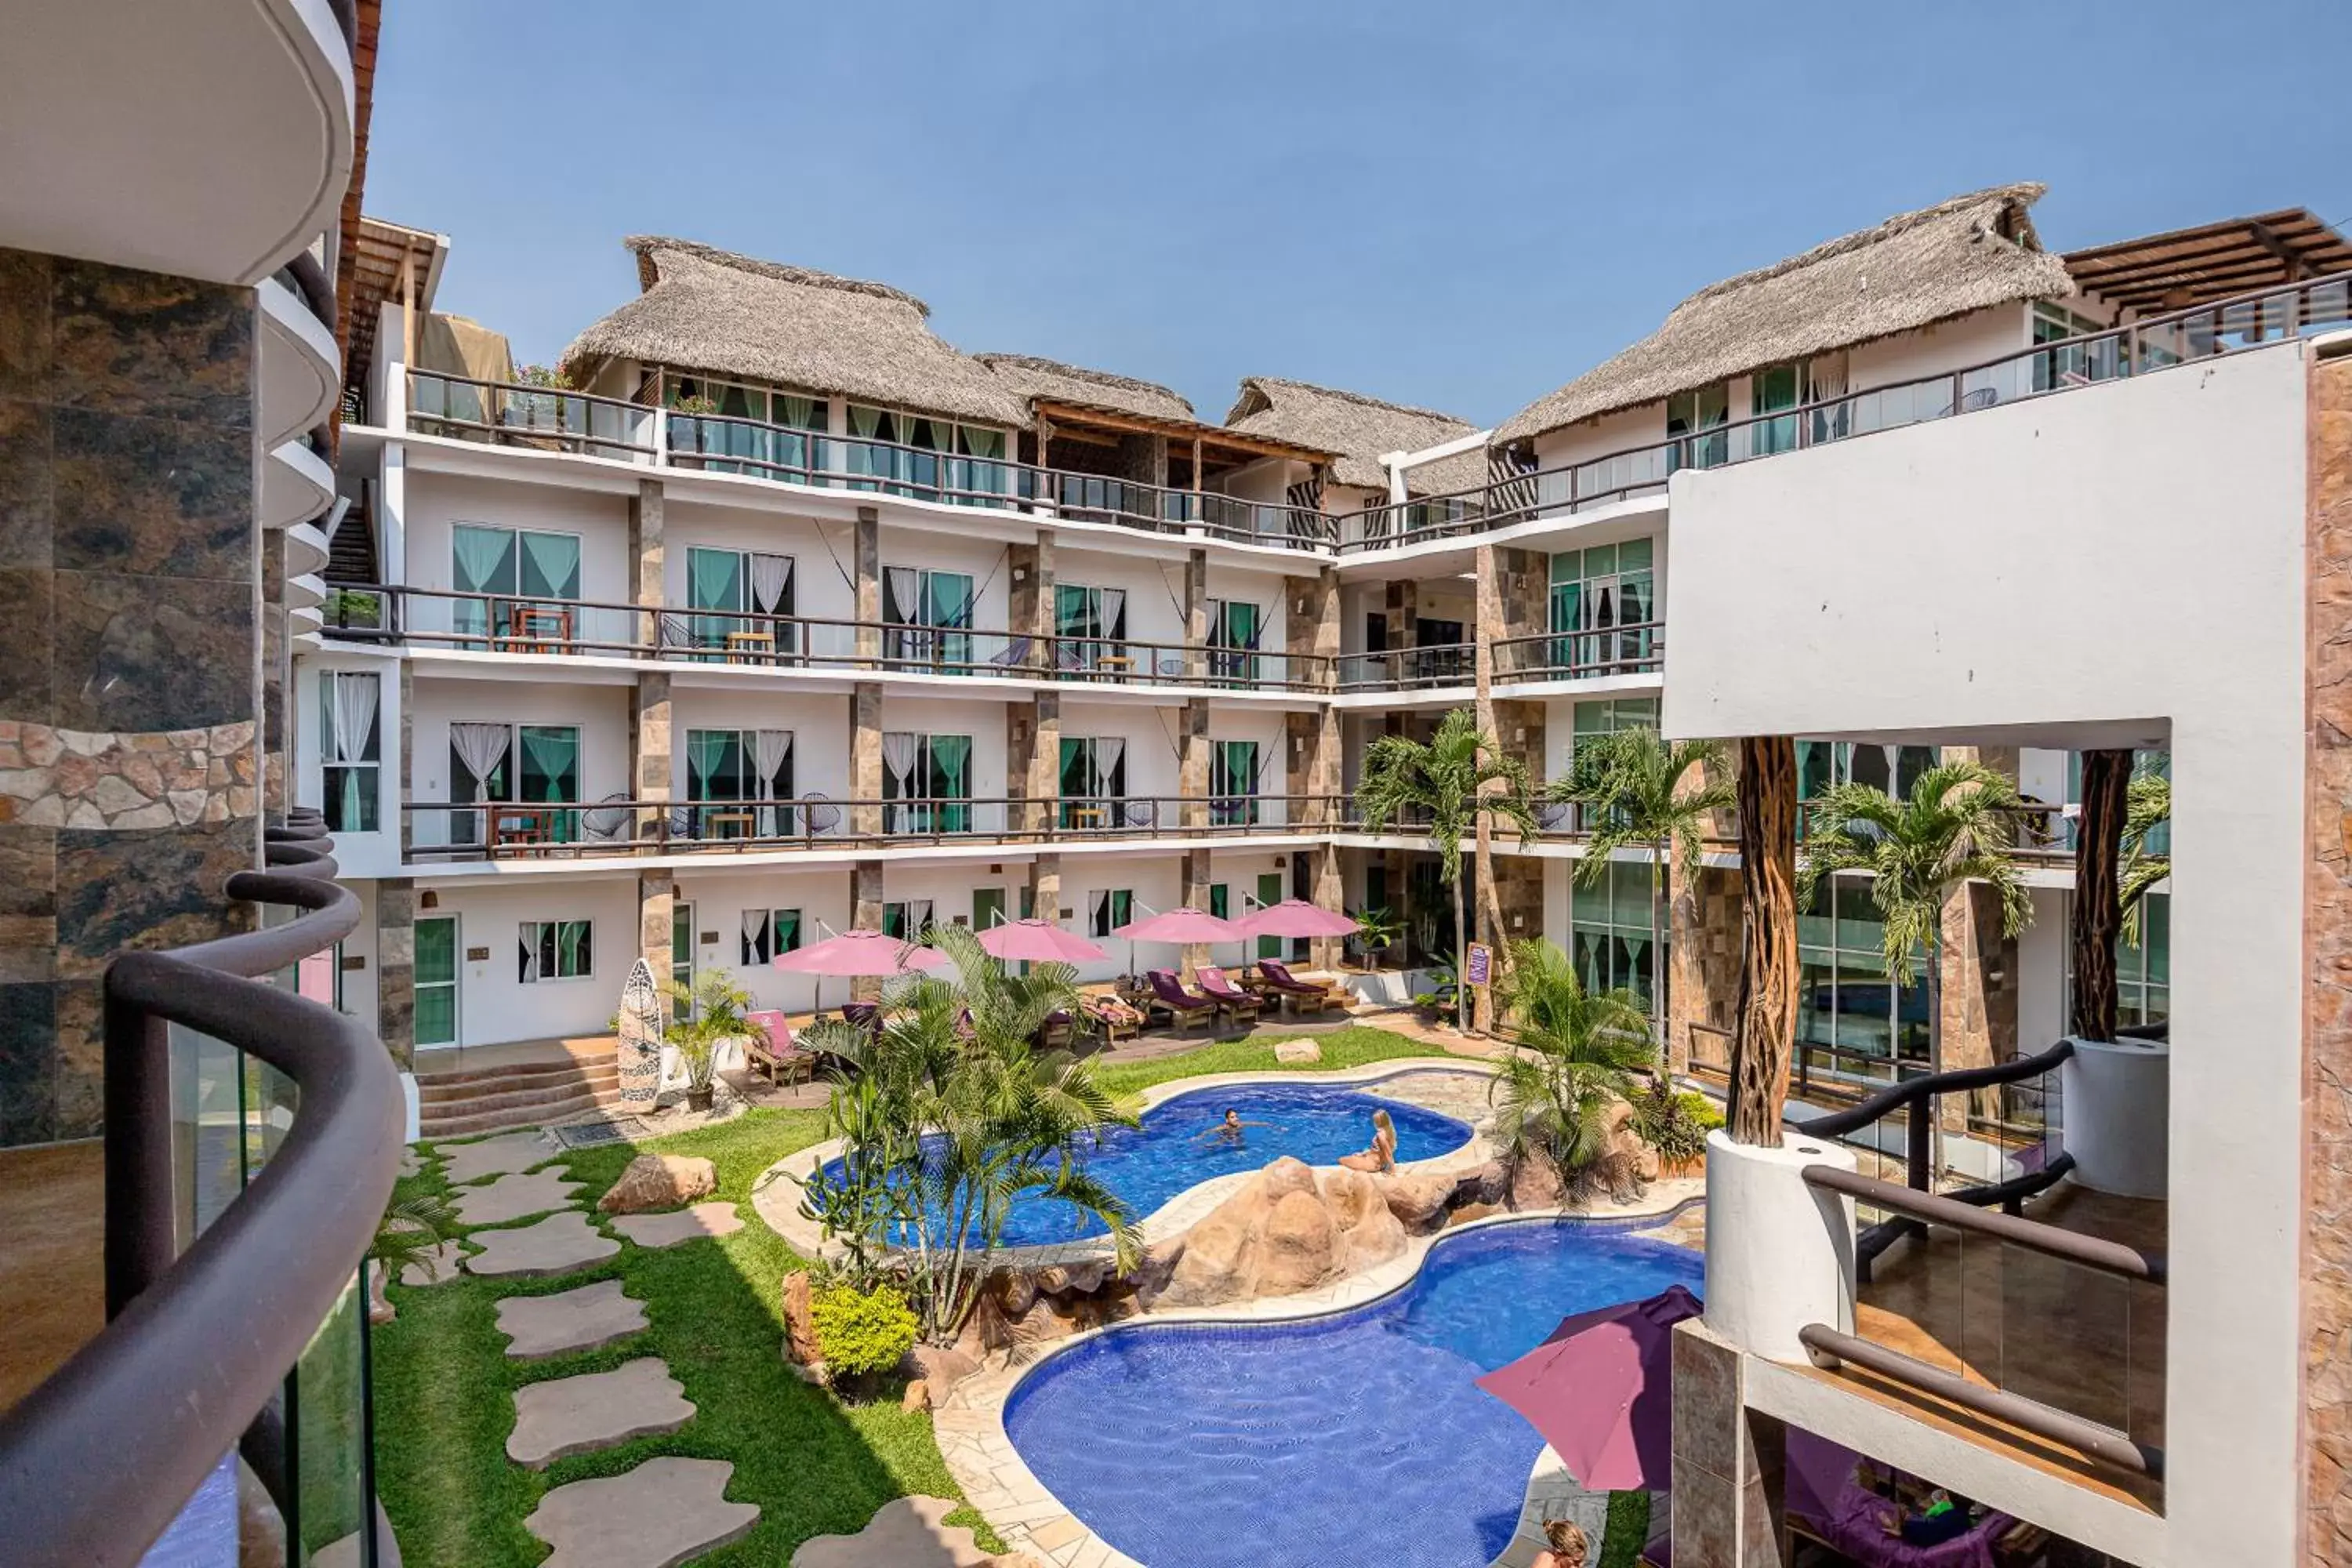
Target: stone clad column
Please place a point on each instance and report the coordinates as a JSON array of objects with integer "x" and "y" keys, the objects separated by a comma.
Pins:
[
  {"x": 652, "y": 740},
  {"x": 1196, "y": 616},
  {"x": 1192, "y": 764},
  {"x": 648, "y": 549},
  {"x": 867, "y": 583},
  {"x": 1730, "y": 1461},
  {"x": 1311, "y": 629},
  {"x": 1046, "y": 886},
  {"x": 1029, "y": 612},
  {"x": 1033, "y": 762},
  {"x": 395, "y": 967},
  {"x": 1196, "y": 897},
  {"x": 656, "y": 907},
  {"x": 866, "y": 758},
  {"x": 866, "y": 914},
  {"x": 1703, "y": 965}
]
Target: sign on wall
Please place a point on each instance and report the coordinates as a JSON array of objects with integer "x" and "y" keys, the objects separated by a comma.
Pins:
[{"x": 1480, "y": 966}]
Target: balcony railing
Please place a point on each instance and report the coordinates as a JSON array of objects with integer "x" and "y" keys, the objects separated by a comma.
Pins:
[
  {"x": 96, "y": 1462},
  {"x": 507, "y": 624},
  {"x": 622, "y": 824},
  {"x": 1409, "y": 668},
  {"x": 1635, "y": 648}
]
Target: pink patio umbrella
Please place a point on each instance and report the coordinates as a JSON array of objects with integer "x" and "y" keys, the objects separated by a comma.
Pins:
[
  {"x": 1179, "y": 928},
  {"x": 1601, "y": 1391},
  {"x": 1295, "y": 917},
  {"x": 856, "y": 954},
  {"x": 1038, "y": 941}
]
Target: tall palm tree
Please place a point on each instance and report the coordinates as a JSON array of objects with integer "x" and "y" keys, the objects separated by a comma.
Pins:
[
  {"x": 1957, "y": 826},
  {"x": 1579, "y": 1051},
  {"x": 1638, "y": 791},
  {"x": 1445, "y": 782},
  {"x": 2150, "y": 809}
]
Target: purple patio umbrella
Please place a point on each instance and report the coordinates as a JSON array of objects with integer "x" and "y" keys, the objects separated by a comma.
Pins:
[
  {"x": 1600, "y": 1390},
  {"x": 1038, "y": 941}
]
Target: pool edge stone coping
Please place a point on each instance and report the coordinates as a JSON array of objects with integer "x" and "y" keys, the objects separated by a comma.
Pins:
[
  {"x": 980, "y": 1455},
  {"x": 775, "y": 1192}
]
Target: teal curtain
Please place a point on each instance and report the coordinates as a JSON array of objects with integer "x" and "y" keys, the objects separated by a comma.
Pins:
[
  {"x": 948, "y": 603},
  {"x": 481, "y": 560},
  {"x": 550, "y": 566},
  {"x": 866, "y": 424},
  {"x": 787, "y": 936},
  {"x": 550, "y": 771},
  {"x": 572, "y": 948},
  {"x": 982, "y": 472},
  {"x": 1077, "y": 778},
  {"x": 714, "y": 581},
  {"x": 951, "y": 780},
  {"x": 711, "y": 760}
]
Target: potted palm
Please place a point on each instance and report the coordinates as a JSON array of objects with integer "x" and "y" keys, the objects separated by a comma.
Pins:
[
  {"x": 1376, "y": 930},
  {"x": 1579, "y": 1053},
  {"x": 704, "y": 1019}
]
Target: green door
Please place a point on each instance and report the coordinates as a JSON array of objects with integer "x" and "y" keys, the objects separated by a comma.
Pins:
[
  {"x": 1269, "y": 893},
  {"x": 681, "y": 942},
  {"x": 987, "y": 907},
  {"x": 433, "y": 984}
]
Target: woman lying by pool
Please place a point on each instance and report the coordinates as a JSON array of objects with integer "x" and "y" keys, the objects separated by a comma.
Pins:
[{"x": 1381, "y": 1155}]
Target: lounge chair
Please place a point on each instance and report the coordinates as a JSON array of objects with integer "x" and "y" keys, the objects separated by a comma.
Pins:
[
  {"x": 867, "y": 1016},
  {"x": 1234, "y": 1003},
  {"x": 771, "y": 1048},
  {"x": 1055, "y": 1032},
  {"x": 1112, "y": 1019},
  {"x": 1301, "y": 995},
  {"x": 1184, "y": 1009}
]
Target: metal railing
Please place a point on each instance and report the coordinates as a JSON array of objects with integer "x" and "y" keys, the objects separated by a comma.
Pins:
[
  {"x": 1409, "y": 668},
  {"x": 1637, "y": 648},
  {"x": 622, "y": 825},
  {"x": 513, "y": 624},
  {"x": 97, "y": 1460}
]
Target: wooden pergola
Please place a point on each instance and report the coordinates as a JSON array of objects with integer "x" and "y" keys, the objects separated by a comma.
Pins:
[
  {"x": 1212, "y": 445},
  {"x": 389, "y": 261},
  {"x": 2191, "y": 267}
]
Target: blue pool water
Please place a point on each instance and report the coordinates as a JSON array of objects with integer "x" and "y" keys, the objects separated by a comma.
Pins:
[
  {"x": 1354, "y": 1438},
  {"x": 1150, "y": 1164}
]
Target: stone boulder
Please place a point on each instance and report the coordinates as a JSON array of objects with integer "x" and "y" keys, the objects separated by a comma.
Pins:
[
  {"x": 800, "y": 1325},
  {"x": 1488, "y": 1184},
  {"x": 1536, "y": 1186},
  {"x": 1417, "y": 1201},
  {"x": 938, "y": 1368},
  {"x": 1295, "y": 1053},
  {"x": 1288, "y": 1230},
  {"x": 660, "y": 1181}
]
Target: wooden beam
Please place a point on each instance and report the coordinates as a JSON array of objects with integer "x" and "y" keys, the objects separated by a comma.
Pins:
[
  {"x": 1216, "y": 436},
  {"x": 408, "y": 308}
]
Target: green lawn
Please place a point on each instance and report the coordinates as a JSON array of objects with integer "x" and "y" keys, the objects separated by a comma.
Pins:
[{"x": 813, "y": 1465}]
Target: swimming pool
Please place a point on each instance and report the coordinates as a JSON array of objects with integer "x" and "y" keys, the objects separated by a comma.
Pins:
[
  {"x": 1353, "y": 1438},
  {"x": 1150, "y": 1164}
]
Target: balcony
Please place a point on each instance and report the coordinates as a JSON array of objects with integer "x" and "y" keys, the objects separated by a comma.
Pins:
[
  {"x": 1636, "y": 648},
  {"x": 620, "y": 826},
  {"x": 496, "y": 624},
  {"x": 1437, "y": 666}
]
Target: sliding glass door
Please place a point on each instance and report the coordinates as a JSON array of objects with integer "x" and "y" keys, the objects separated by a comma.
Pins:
[
  {"x": 1093, "y": 781},
  {"x": 1234, "y": 633},
  {"x": 928, "y": 618},
  {"x": 725, "y": 769},
  {"x": 932, "y": 774},
  {"x": 750, "y": 588},
  {"x": 528, "y": 578},
  {"x": 1232, "y": 783},
  {"x": 1093, "y": 621}
]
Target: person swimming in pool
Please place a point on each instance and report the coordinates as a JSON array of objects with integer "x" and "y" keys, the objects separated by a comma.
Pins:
[
  {"x": 1232, "y": 1129},
  {"x": 1381, "y": 1155}
]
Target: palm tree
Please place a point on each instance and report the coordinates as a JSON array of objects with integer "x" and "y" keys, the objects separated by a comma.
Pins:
[
  {"x": 2150, "y": 809},
  {"x": 1579, "y": 1051},
  {"x": 1761, "y": 1046},
  {"x": 704, "y": 1018},
  {"x": 1445, "y": 782},
  {"x": 1957, "y": 826},
  {"x": 955, "y": 1115},
  {"x": 1637, "y": 792}
]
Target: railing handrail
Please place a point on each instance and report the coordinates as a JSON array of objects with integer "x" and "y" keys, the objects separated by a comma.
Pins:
[
  {"x": 1888, "y": 1102},
  {"x": 107, "y": 1412},
  {"x": 1934, "y": 1208},
  {"x": 1572, "y": 632}
]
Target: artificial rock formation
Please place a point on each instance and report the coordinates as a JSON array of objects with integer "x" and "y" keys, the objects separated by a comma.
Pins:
[
  {"x": 1289, "y": 1229},
  {"x": 660, "y": 1181}
]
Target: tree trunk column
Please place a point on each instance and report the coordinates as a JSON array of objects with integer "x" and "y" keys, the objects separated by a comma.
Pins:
[
  {"x": 1768, "y": 949},
  {"x": 2097, "y": 914}
]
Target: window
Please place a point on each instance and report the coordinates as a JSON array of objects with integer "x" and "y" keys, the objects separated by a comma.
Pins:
[
  {"x": 1107, "y": 909},
  {"x": 350, "y": 750},
  {"x": 2157, "y": 765},
  {"x": 1095, "y": 621},
  {"x": 2073, "y": 363},
  {"x": 553, "y": 950},
  {"x": 1232, "y": 783},
  {"x": 1238, "y": 626},
  {"x": 907, "y": 922},
  {"x": 525, "y": 579},
  {"x": 933, "y": 773},
  {"x": 524, "y": 765},
  {"x": 1602, "y": 719},
  {"x": 1771, "y": 390},
  {"x": 681, "y": 943},
  {"x": 1093, "y": 781},
  {"x": 932, "y": 459},
  {"x": 927, "y": 618},
  {"x": 740, "y": 765},
  {"x": 1594, "y": 593},
  {"x": 434, "y": 984},
  {"x": 1852, "y": 1019},
  {"x": 778, "y": 434},
  {"x": 768, "y": 935},
  {"x": 1691, "y": 413},
  {"x": 1221, "y": 900},
  {"x": 1610, "y": 931},
  {"x": 1894, "y": 769},
  {"x": 744, "y": 581}
]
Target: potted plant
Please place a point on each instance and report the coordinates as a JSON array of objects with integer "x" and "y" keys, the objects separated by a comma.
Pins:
[
  {"x": 350, "y": 607},
  {"x": 705, "y": 1018},
  {"x": 410, "y": 1233},
  {"x": 1376, "y": 930},
  {"x": 1673, "y": 1122},
  {"x": 542, "y": 407},
  {"x": 1444, "y": 996}
]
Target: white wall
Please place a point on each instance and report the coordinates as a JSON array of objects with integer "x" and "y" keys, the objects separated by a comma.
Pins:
[
  {"x": 600, "y": 713},
  {"x": 819, "y": 722},
  {"x": 435, "y": 500},
  {"x": 2041, "y": 972},
  {"x": 493, "y": 1007},
  {"x": 1157, "y": 883},
  {"x": 1994, "y": 577},
  {"x": 721, "y": 898},
  {"x": 819, "y": 590}
]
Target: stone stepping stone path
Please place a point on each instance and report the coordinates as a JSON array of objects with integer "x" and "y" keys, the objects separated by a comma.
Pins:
[
  {"x": 664, "y": 1512},
  {"x": 903, "y": 1533},
  {"x": 559, "y": 1244},
  {"x": 447, "y": 1256},
  {"x": 567, "y": 1415},
  {"x": 587, "y": 1319},
  {"x": 679, "y": 1225},
  {"x": 498, "y": 1156},
  {"x": 512, "y": 1197}
]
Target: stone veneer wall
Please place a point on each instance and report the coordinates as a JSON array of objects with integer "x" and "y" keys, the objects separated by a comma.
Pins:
[
  {"x": 1702, "y": 963},
  {"x": 2328, "y": 1005},
  {"x": 131, "y": 760}
]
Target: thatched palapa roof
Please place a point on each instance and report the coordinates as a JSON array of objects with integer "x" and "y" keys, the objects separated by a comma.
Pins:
[
  {"x": 713, "y": 310},
  {"x": 1911, "y": 272},
  {"x": 1050, "y": 381},
  {"x": 1360, "y": 430}
]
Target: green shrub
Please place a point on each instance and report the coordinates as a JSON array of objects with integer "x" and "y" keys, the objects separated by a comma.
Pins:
[
  {"x": 1675, "y": 1123},
  {"x": 862, "y": 1332}
]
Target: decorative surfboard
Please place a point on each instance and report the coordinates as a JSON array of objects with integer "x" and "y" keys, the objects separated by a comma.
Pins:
[{"x": 641, "y": 1039}]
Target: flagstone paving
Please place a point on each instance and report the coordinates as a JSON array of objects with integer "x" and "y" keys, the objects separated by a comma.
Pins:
[
  {"x": 673, "y": 1225},
  {"x": 446, "y": 1256},
  {"x": 587, "y": 1319},
  {"x": 512, "y": 1197},
  {"x": 559, "y": 1244},
  {"x": 568, "y": 1415},
  {"x": 906, "y": 1533},
  {"x": 664, "y": 1512},
  {"x": 496, "y": 1157}
]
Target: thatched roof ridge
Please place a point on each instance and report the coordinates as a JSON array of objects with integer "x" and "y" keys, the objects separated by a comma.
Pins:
[
  {"x": 1914, "y": 270},
  {"x": 1031, "y": 377},
  {"x": 713, "y": 310},
  {"x": 1359, "y": 429}
]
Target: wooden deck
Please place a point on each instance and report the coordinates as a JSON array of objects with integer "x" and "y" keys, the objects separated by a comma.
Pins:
[{"x": 52, "y": 1267}]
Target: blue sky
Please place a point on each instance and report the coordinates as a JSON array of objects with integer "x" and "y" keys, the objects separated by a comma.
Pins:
[{"x": 1458, "y": 206}]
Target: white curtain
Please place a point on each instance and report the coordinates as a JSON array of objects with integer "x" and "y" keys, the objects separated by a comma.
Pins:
[
  {"x": 771, "y": 749},
  {"x": 755, "y": 936},
  {"x": 1109, "y": 751},
  {"x": 904, "y": 584},
  {"x": 771, "y": 576},
  {"x": 1114, "y": 605},
  {"x": 481, "y": 747},
  {"x": 355, "y": 710},
  {"x": 918, "y": 917},
  {"x": 899, "y": 756}
]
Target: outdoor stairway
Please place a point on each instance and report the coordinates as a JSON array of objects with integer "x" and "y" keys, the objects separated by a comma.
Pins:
[{"x": 465, "y": 1101}]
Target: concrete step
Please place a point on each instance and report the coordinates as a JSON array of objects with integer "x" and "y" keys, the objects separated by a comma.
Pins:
[
  {"x": 465, "y": 1118},
  {"x": 432, "y": 1086},
  {"x": 496, "y": 1094}
]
